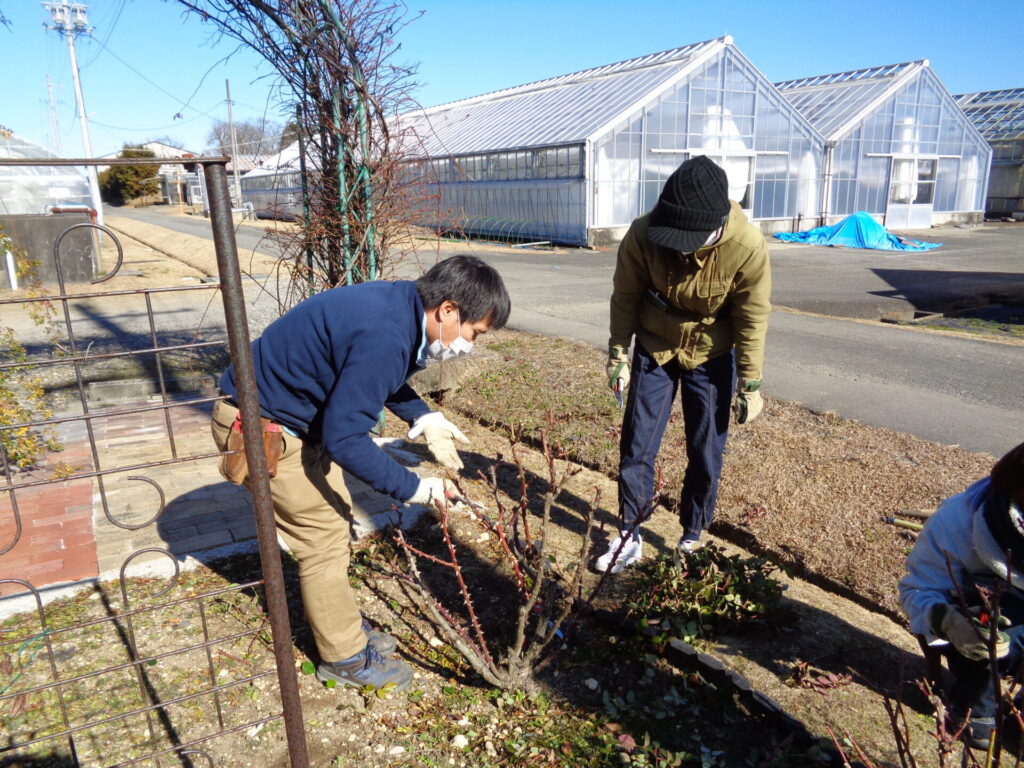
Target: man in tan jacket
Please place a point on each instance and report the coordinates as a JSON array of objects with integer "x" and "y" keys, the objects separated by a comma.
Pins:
[{"x": 692, "y": 286}]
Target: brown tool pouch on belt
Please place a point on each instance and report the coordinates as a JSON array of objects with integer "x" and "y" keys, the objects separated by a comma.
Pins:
[{"x": 234, "y": 466}]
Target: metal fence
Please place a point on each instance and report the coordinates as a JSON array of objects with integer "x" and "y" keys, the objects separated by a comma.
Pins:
[{"x": 65, "y": 698}]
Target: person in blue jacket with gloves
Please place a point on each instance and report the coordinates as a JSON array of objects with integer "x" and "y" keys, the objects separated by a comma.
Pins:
[
  {"x": 975, "y": 540},
  {"x": 324, "y": 371}
]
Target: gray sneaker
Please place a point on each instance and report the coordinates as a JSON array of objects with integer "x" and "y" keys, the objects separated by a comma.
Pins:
[
  {"x": 366, "y": 668},
  {"x": 381, "y": 642},
  {"x": 686, "y": 547}
]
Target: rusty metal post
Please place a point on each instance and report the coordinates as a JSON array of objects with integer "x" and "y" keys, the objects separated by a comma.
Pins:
[{"x": 259, "y": 485}]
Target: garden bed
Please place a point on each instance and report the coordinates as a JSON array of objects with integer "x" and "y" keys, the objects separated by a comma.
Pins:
[{"x": 810, "y": 489}]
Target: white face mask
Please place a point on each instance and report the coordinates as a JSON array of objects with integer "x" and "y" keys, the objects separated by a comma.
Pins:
[
  {"x": 457, "y": 348},
  {"x": 713, "y": 237}
]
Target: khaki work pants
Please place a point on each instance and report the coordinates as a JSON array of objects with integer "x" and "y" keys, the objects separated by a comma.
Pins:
[{"x": 312, "y": 507}]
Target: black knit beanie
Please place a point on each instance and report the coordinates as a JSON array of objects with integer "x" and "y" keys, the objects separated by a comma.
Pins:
[{"x": 693, "y": 204}]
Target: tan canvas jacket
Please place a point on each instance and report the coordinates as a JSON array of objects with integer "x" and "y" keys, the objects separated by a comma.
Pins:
[{"x": 718, "y": 297}]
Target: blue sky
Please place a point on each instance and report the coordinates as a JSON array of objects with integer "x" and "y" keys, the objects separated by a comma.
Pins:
[{"x": 146, "y": 63}]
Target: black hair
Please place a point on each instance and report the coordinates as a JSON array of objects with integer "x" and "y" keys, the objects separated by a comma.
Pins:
[
  {"x": 1008, "y": 475},
  {"x": 473, "y": 285}
]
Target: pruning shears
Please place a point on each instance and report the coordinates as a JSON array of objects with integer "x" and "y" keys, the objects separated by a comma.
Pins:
[
  {"x": 457, "y": 498},
  {"x": 618, "y": 394}
]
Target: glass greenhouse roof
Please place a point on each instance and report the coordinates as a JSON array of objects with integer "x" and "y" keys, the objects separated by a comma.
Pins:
[
  {"x": 832, "y": 102},
  {"x": 560, "y": 110},
  {"x": 998, "y": 115}
]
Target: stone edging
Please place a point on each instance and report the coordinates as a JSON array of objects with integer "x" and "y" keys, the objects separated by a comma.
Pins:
[{"x": 685, "y": 656}]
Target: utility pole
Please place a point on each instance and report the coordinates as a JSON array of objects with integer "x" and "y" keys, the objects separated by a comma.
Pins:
[
  {"x": 234, "y": 147},
  {"x": 70, "y": 19},
  {"x": 54, "y": 127}
]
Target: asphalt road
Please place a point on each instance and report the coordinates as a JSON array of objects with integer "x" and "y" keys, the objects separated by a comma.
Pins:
[
  {"x": 249, "y": 238},
  {"x": 951, "y": 389}
]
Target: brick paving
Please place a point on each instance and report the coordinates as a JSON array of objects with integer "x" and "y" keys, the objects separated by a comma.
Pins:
[{"x": 69, "y": 534}]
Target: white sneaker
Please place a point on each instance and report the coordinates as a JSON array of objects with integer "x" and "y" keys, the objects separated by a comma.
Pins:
[
  {"x": 686, "y": 547},
  {"x": 632, "y": 550}
]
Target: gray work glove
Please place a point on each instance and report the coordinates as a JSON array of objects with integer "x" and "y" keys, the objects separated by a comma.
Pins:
[
  {"x": 749, "y": 403},
  {"x": 968, "y": 634},
  {"x": 617, "y": 369},
  {"x": 440, "y": 435}
]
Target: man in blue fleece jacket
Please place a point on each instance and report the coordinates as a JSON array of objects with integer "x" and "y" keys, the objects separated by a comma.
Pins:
[{"x": 324, "y": 371}]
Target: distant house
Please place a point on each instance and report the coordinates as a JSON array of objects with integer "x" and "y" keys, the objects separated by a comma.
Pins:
[
  {"x": 999, "y": 115},
  {"x": 898, "y": 146},
  {"x": 173, "y": 176},
  {"x": 575, "y": 158}
]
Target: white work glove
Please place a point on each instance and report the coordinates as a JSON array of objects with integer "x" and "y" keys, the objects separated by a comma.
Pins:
[
  {"x": 617, "y": 369},
  {"x": 440, "y": 435},
  {"x": 967, "y": 634},
  {"x": 429, "y": 490},
  {"x": 749, "y": 403}
]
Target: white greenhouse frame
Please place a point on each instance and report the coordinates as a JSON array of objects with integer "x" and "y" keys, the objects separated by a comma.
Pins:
[
  {"x": 898, "y": 146},
  {"x": 575, "y": 158},
  {"x": 34, "y": 189},
  {"x": 999, "y": 116}
]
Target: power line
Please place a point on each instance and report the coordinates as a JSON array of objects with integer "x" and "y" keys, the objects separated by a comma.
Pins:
[
  {"x": 110, "y": 31},
  {"x": 154, "y": 128},
  {"x": 184, "y": 104}
]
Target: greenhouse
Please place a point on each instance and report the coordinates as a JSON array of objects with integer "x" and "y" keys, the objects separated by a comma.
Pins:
[
  {"x": 35, "y": 189},
  {"x": 898, "y": 146},
  {"x": 999, "y": 115},
  {"x": 574, "y": 159},
  {"x": 37, "y": 204}
]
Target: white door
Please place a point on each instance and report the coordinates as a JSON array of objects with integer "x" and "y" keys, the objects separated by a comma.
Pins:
[
  {"x": 739, "y": 169},
  {"x": 911, "y": 193}
]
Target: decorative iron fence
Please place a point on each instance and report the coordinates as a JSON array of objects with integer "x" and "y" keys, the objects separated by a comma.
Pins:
[{"x": 134, "y": 670}]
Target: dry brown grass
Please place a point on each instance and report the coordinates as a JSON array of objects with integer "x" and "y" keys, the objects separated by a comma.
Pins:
[{"x": 808, "y": 488}]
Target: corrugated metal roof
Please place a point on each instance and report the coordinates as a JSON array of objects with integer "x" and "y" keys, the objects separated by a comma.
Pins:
[
  {"x": 832, "y": 102},
  {"x": 998, "y": 115},
  {"x": 560, "y": 110}
]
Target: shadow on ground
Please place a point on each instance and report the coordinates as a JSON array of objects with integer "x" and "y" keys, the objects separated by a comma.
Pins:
[{"x": 947, "y": 290}]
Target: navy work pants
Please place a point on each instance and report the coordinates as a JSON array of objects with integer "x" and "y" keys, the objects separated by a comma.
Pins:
[{"x": 706, "y": 393}]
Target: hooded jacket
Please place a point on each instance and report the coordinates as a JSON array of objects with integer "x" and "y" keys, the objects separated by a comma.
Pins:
[
  {"x": 958, "y": 530},
  {"x": 718, "y": 297}
]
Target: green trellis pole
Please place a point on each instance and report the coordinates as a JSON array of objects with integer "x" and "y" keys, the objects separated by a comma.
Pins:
[
  {"x": 363, "y": 180},
  {"x": 305, "y": 196}
]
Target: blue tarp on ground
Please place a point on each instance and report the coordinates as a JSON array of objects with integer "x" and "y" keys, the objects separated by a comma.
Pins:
[{"x": 858, "y": 230}]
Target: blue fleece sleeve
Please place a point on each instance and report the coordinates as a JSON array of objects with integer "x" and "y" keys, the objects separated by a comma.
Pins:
[
  {"x": 406, "y": 404},
  {"x": 370, "y": 368}
]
